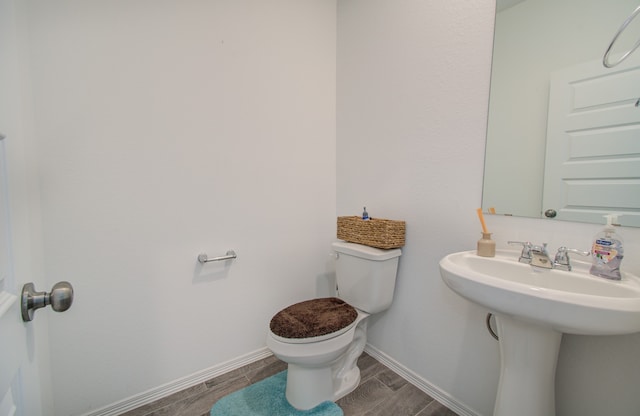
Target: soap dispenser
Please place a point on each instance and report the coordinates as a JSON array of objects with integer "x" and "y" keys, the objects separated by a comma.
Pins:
[{"x": 607, "y": 251}]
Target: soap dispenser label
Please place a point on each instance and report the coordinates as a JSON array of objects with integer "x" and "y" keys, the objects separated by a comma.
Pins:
[{"x": 603, "y": 251}]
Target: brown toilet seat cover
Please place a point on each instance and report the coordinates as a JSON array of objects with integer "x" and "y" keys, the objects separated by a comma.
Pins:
[{"x": 313, "y": 318}]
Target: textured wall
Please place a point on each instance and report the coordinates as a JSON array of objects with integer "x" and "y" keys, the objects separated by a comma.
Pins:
[
  {"x": 164, "y": 129},
  {"x": 167, "y": 128},
  {"x": 413, "y": 82}
]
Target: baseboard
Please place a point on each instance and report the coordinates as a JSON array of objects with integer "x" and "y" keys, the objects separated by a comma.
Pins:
[
  {"x": 424, "y": 385},
  {"x": 180, "y": 384}
]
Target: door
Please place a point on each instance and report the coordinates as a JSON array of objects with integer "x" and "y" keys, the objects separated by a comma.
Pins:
[
  {"x": 592, "y": 164},
  {"x": 13, "y": 337}
]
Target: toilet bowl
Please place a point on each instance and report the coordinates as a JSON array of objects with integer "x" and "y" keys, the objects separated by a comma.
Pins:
[
  {"x": 321, "y": 370},
  {"x": 321, "y": 339}
]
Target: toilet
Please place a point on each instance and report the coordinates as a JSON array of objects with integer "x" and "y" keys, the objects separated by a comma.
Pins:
[{"x": 321, "y": 339}]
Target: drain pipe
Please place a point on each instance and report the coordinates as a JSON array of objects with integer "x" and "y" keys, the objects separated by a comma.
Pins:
[{"x": 491, "y": 331}]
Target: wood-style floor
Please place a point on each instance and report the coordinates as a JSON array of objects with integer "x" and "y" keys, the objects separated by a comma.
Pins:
[{"x": 381, "y": 393}]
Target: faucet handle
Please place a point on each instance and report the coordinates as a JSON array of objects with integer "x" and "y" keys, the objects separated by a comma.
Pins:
[
  {"x": 525, "y": 256},
  {"x": 562, "y": 260}
]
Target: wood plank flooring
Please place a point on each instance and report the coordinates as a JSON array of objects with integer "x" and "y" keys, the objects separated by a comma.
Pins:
[{"x": 381, "y": 393}]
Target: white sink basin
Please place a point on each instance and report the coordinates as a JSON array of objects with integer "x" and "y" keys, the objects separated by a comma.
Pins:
[
  {"x": 533, "y": 308},
  {"x": 574, "y": 302}
]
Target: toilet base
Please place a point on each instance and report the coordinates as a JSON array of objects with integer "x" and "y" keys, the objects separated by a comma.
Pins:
[
  {"x": 347, "y": 384},
  {"x": 308, "y": 387}
]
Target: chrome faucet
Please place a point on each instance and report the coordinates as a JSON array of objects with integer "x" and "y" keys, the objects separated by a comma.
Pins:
[
  {"x": 534, "y": 255},
  {"x": 540, "y": 257},
  {"x": 562, "y": 260}
]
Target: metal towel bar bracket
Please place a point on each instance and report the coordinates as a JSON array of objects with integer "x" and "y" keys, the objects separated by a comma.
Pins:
[{"x": 203, "y": 258}]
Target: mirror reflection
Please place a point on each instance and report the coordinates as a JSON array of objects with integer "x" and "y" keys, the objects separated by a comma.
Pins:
[{"x": 564, "y": 131}]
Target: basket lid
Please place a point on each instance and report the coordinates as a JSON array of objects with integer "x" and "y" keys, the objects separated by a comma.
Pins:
[{"x": 365, "y": 252}]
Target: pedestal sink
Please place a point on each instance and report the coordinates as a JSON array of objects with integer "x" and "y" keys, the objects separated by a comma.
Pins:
[{"x": 533, "y": 308}]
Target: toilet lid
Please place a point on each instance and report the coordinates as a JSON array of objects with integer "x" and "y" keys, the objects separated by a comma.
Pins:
[{"x": 313, "y": 318}]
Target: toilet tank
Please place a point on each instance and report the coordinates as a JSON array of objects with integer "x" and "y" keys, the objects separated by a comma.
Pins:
[{"x": 366, "y": 276}]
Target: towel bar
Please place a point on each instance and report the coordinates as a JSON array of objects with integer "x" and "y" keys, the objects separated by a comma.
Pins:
[
  {"x": 605, "y": 59},
  {"x": 203, "y": 258}
]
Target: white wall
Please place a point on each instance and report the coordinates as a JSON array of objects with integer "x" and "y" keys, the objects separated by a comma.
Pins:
[
  {"x": 413, "y": 80},
  {"x": 168, "y": 128},
  {"x": 165, "y": 129},
  {"x": 413, "y": 83}
]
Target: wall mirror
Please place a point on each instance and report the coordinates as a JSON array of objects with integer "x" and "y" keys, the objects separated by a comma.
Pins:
[{"x": 563, "y": 134}]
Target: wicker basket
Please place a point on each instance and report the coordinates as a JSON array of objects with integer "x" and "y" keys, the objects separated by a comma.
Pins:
[{"x": 374, "y": 232}]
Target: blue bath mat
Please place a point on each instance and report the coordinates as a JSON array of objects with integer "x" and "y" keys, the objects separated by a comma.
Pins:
[{"x": 266, "y": 398}]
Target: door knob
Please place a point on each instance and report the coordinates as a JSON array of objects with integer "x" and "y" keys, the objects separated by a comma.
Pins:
[{"x": 60, "y": 298}]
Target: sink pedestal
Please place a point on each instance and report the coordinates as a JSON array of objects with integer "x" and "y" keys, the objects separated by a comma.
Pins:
[
  {"x": 528, "y": 302},
  {"x": 528, "y": 357}
]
